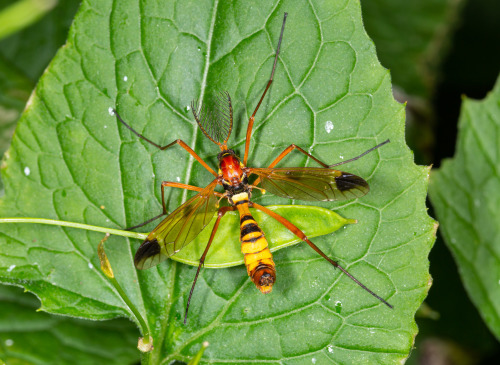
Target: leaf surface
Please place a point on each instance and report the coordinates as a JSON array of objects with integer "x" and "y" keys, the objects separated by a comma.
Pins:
[
  {"x": 465, "y": 192},
  {"x": 150, "y": 60},
  {"x": 30, "y": 337}
]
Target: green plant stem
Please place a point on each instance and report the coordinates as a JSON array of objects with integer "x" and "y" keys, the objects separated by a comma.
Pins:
[
  {"x": 144, "y": 327},
  {"x": 196, "y": 359},
  {"x": 53, "y": 222}
]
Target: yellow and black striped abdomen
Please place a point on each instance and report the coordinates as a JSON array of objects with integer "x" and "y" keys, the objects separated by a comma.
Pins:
[{"x": 258, "y": 258}]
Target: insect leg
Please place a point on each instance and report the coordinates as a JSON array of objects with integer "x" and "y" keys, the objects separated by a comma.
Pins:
[
  {"x": 303, "y": 237},
  {"x": 181, "y": 186},
  {"x": 173, "y": 185},
  {"x": 290, "y": 149},
  {"x": 358, "y": 157},
  {"x": 252, "y": 118},
  {"x": 177, "y": 141},
  {"x": 220, "y": 214},
  {"x": 295, "y": 147},
  {"x": 144, "y": 223}
]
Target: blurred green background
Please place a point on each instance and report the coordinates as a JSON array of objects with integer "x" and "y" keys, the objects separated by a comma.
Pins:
[{"x": 437, "y": 51}]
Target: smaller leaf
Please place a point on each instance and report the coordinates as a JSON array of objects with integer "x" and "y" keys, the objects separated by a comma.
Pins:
[
  {"x": 225, "y": 250},
  {"x": 465, "y": 192}
]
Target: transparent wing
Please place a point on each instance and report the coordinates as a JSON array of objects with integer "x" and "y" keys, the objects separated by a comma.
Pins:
[
  {"x": 311, "y": 183},
  {"x": 178, "y": 229}
]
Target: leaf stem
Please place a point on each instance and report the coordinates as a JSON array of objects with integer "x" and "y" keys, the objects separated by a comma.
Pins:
[
  {"x": 145, "y": 343},
  {"x": 146, "y": 340},
  {"x": 196, "y": 359},
  {"x": 54, "y": 222}
]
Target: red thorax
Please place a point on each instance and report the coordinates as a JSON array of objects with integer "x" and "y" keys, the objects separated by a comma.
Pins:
[{"x": 231, "y": 169}]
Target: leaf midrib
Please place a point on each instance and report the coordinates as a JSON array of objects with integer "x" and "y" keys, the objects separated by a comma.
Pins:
[{"x": 168, "y": 304}]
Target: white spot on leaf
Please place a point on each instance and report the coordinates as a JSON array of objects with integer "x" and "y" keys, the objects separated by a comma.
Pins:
[
  {"x": 328, "y": 126},
  {"x": 27, "y": 171},
  {"x": 11, "y": 267}
]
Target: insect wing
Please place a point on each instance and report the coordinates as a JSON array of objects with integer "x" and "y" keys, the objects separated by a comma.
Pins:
[
  {"x": 178, "y": 229},
  {"x": 311, "y": 183}
]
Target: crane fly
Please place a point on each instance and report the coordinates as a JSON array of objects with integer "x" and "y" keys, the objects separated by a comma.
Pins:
[{"x": 181, "y": 226}]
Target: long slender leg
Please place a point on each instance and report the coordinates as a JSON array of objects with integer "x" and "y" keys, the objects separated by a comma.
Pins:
[
  {"x": 252, "y": 118},
  {"x": 295, "y": 147},
  {"x": 358, "y": 157},
  {"x": 220, "y": 214},
  {"x": 290, "y": 149},
  {"x": 181, "y": 186},
  {"x": 146, "y": 222},
  {"x": 303, "y": 237},
  {"x": 172, "y": 185},
  {"x": 177, "y": 141}
]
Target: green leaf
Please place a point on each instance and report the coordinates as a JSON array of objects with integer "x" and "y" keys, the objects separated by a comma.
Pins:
[
  {"x": 465, "y": 192},
  {"x": 28, "y": 337},
  {"x": 313, "y": 221},
  {"x": 71, "y": 160},
  {"x": 412, "y": 41}
]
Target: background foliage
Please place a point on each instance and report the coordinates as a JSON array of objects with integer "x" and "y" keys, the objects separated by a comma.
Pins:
[{"x": 416, "y": 65}]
